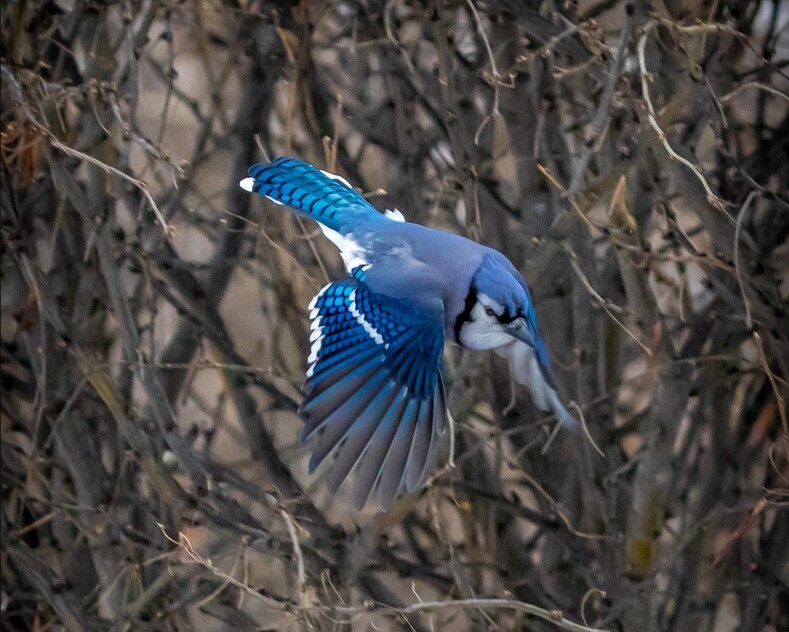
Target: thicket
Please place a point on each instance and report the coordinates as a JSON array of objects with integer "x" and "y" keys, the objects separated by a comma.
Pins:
[{"x": 630, "y": 158}]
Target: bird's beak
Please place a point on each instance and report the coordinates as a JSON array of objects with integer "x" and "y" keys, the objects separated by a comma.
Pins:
[{"x": 520, "y": 330}]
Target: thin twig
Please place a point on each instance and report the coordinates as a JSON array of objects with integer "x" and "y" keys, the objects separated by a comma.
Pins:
[
  {"x": 553, "y": 616},
  {"x": 55, "y": 142},
  {"x": 600, "y": 119},
  {"x": 495, "y": 76},
  {"x": 740, "y": 216},
  {"x": 755, "y": 85},
  {"x": 776, "y": 391},
  {"x": 290, "y": 523},
  {"x": 185, "y": 545},
  {"x": 603, "y": 302},
  {"x": 570, "y": 198},
  {"x": 577, "y": 409},
  {"x": 712, "y": 197}
]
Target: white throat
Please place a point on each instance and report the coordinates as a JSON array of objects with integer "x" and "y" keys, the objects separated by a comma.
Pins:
[{"x": 482, "y": 331}]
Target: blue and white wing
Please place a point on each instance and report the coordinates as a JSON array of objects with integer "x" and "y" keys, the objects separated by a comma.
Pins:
[
  {"x": 374, "y": 397},
  {"x": 324, "y": 196},
  {"x": 327, "y": 198}
]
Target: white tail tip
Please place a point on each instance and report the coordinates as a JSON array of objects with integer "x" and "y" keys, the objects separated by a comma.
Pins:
[{"x": 246, "y": 184}]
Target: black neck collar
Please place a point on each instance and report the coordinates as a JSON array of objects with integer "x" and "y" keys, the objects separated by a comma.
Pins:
[{"x": 465, "y": 316}]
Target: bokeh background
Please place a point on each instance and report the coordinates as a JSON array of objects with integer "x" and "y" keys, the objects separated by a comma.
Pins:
[{"x": 631, "y": 158}]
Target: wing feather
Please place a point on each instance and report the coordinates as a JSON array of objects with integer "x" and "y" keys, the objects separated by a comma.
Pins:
[
  {"x": 393, "y": 467},
  {"x": 429, "y": 438},
  {"x": 369, "y": 471},
  {"x": 324, "y": 403},
  {"x": 335, "y": 426},
  {"x": 358, "y": 436},
  {"x": 324, "y": 196},
  {"x": 372, "y": 390},
  {"x": 420, "y": 445}
]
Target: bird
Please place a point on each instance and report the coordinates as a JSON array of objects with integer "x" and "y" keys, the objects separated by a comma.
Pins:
[{"x": 375, "y": 397}]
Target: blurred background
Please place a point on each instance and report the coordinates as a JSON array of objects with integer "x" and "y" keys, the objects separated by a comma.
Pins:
[{"x": 631, "y": 158}]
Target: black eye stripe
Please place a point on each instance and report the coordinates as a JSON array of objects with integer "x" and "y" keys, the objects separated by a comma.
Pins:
[{"x": 506, "y": 319}]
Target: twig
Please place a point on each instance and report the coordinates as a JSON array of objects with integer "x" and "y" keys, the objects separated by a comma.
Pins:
[
  {"x": 184, "y": 544},
  {"x": 778, "y": 397},
  {"x": 566, "y": 194},
  {"x": 600, "y": 120},
  {"x": 553, "y": 616},
  {"x": 53, "y": 140},
  {"x": 140, "y": 184},
  {"x": 740, "y": 216},
  {"x": 603, "y": 302},
  {"x": 712, "y": 197},
  {"x": 495, "y": 76},
  {"x": 577, "y": 408},
  {"x": 294, "y": 538},
  {"x": 586, "y": 597},
  {"x": 562, "y": 516},
  {"x": 753, "y": 84}
]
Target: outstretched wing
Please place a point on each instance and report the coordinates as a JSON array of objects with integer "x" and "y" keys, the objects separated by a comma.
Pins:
[
  {"x": 325, "y": 197},
  {"x": 374, "y": 396}
]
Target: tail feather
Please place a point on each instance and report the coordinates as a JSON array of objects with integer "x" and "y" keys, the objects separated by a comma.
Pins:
[
  {"x": 527, "y": 370},
  {"x": 327, "y": 198}
]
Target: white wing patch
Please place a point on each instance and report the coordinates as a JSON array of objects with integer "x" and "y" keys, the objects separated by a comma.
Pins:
[
  {"x": 394, "y": 215},
  {"x": 316, "y": 338},
  {"x": 378, "y": 338},
  {"x": 314, "y": 301},
  {"x": 248, "y": 183},
  {"x": 353, "y": 255},
  {"x": 316, "y": 331}
]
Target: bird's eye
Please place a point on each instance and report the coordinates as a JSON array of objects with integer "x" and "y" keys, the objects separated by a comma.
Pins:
[{"x": 489, "y": 310}]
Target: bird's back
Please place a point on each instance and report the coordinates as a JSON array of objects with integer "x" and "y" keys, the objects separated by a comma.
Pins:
[{"x": 419, "y": 263}]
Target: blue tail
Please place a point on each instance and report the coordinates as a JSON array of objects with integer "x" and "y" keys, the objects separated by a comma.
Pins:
[{"x": 325, "y": 197}]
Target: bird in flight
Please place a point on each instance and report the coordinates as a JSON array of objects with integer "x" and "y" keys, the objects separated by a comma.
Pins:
[{"x": 374, "y": 398}]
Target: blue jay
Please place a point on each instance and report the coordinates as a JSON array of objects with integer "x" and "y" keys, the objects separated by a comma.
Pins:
[{"x": 375, "y": 398}]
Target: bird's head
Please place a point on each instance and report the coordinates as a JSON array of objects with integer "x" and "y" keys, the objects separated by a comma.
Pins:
[{"x": 498, "y": 307}]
